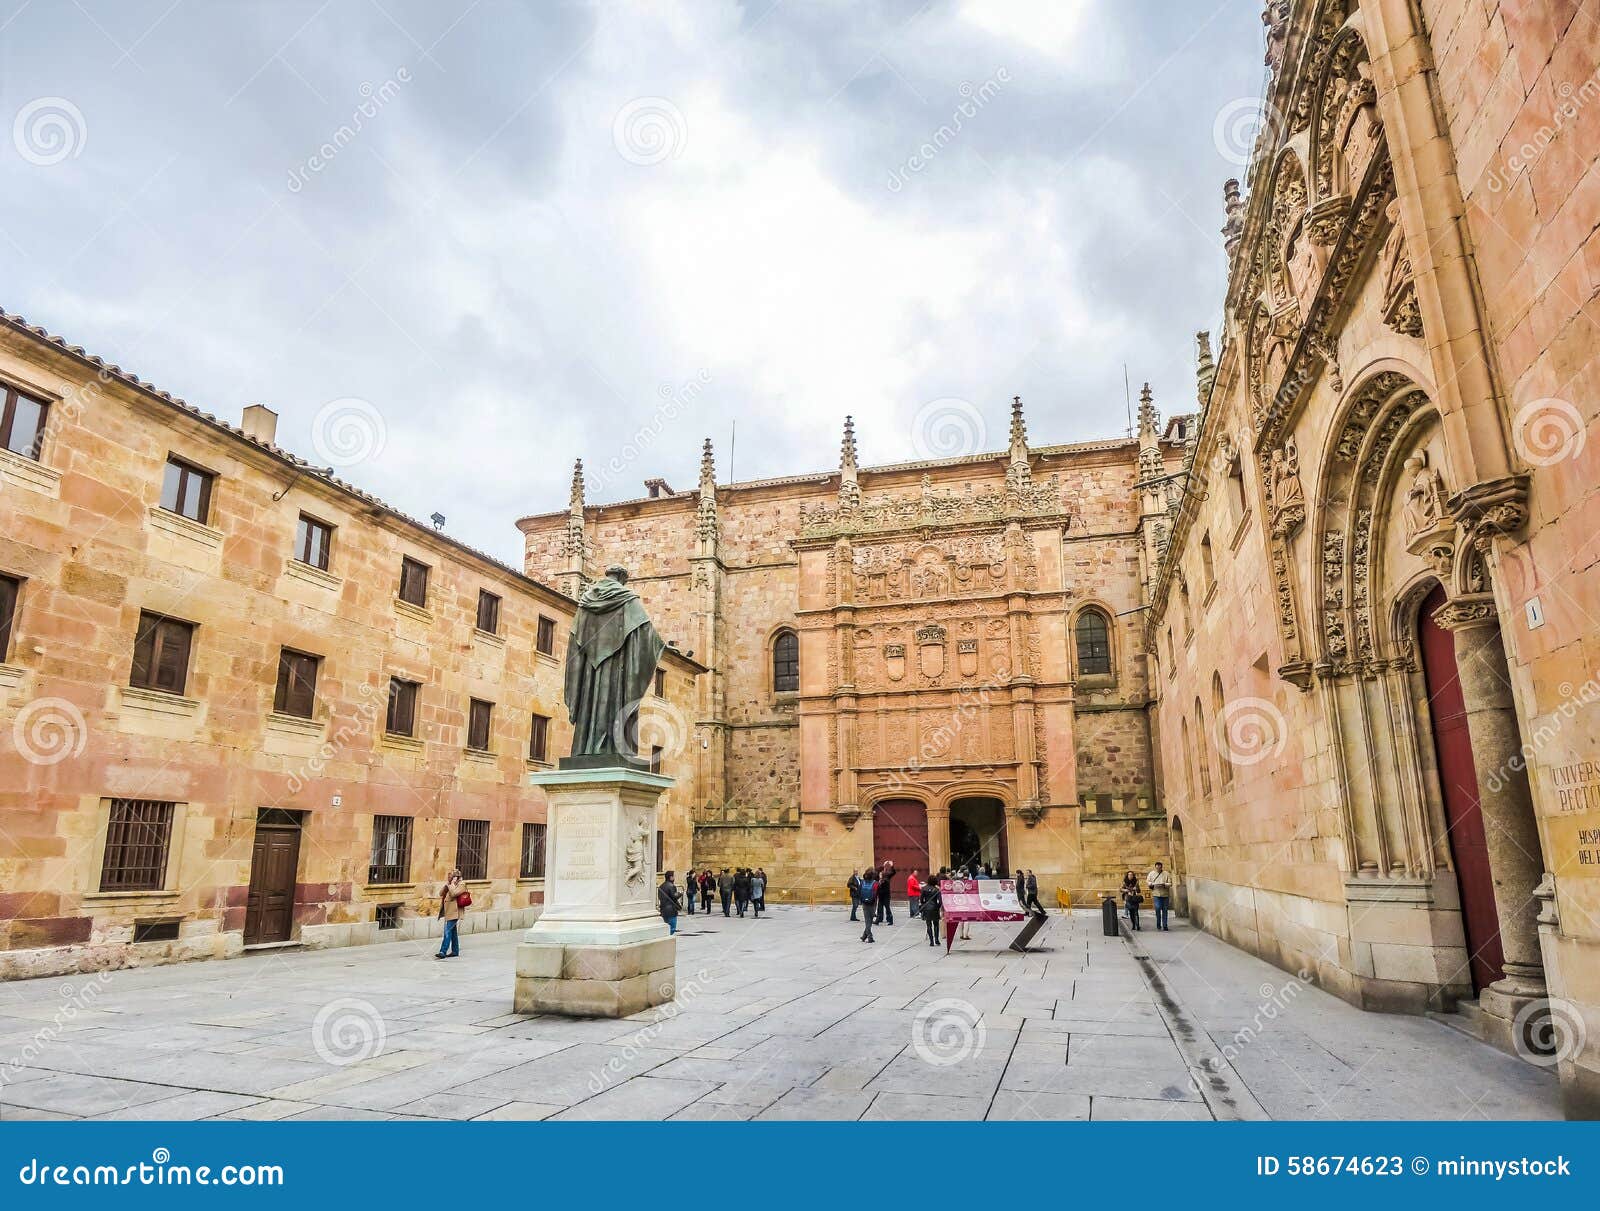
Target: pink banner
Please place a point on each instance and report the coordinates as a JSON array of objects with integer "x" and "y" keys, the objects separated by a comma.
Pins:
[{"x": 980, "y": 900}]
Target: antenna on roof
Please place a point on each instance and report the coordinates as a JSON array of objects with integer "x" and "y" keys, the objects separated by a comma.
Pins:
[
  {"x": 1127, "y": 397},
  {"x": 733, "y": 437}
]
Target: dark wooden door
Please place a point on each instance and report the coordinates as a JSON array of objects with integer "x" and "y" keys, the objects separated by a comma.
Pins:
[
  {"x": 269, "y": 911},
  {"x": 1459, "y": 779},
  {"x": 900, "y": 835}
]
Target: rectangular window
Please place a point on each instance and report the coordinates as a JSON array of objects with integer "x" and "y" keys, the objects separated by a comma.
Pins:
[
  {"x": 161, "y": 653},
  {"x": 186, "y": 490},
  {"x": 472, "y": 848},
  {"x": 480, "y": 715},
  {"x": 138, "y": 832},
  {"x": 655, "y": 758},
  {"x": 10, "y": 592},
  {"x": 413, "y": 581},
  {"x": 546, "y": 641},
  {"x": 313, "y": 541},
  {"x": 155, "y": 931},
  {"x": 532, "y": 851},
  {"x": 391, "y": 850},
  {"x": 661, "y": 683},
  {"x": 22, "y": 424},
  {"x": 488, "y": 612},
  {"x": 539, "y": 739},
  {"x": 401, "y": 719},
  {"x": 661, "y": 850},
  {"x": 297, "y": 683}
]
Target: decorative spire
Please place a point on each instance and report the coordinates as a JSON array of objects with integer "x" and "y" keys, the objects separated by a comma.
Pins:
[
  {"x": 1020, "y": 473},
  {"x": 707, "y": 525},
  {"x": 575, "y": 500},
  {"x": 1151, "y": 465},
  {"x": 1205, "y": 367},
  {"x": 708, "y": 471},
  {"x": 575, "y": 546},
  {"x": 849, "y": 487},
  {"x": 1233, "y": 210}
]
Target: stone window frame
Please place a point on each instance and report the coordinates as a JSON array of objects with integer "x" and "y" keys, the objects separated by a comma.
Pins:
[
  {"x": 1113, "y": 655},
  {"x": 777, "y": 636}
]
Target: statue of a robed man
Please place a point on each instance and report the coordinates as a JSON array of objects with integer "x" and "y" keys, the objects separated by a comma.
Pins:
[{"x": 611, "y": 661}]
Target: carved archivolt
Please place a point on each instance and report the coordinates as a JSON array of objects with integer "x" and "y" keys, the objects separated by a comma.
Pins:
[{"x": 1347, "y": 129}]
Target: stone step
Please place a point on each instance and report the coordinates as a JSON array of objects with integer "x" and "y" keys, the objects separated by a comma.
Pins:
[{"x": 1467, "y": 1019}]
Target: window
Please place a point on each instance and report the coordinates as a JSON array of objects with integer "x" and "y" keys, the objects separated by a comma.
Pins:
[
  {"x": 388, "y": 916},
  {"x": 138, "y": 832},
  {"x": 1235, "y": 491},
  {"x": 391, "y": 850},
  {"x": 786, "y": 663},
  {"x": 1094, "y": 644},
  {"x": 661, "y": 683},
  {"x": 401, "y": 719},
  {"x": 488, "y": 612},
  {"x": 660, "y": 849},
  {"x": 22, "y": 424},
  {"x": 10, "y": 591},
  {"x": 1220, "y": 722},
  {"x": 313, "y": 540},
  {"x": 155, "y": 931},
  {"x": 186, "y": 490},
  {"x": 1207, "y": 566},
  {"x": 539, "y": 739},
  {"x": 1203, "y": 767},
  {"x": 532, "y": 851},
  {"x": 546, "y": 641},
  {"x": 655, "y": 758},
  {"x": 479, "y": 716},
  {"x": 413, "y": 581},
  {"x": 161, "y": 653},
  {"x": 1188, "y": 757},
  {"x": 297, "y": 683},
  {"x": 472, "y": 848}
]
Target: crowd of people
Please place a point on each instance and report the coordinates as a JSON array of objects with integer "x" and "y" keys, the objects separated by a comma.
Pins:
[
  {"x": 741, "y": 891},
  {"x": 872, "y": 895}
]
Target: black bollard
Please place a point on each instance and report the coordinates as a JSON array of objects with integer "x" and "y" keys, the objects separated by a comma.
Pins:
[{"x": 1108, "y": 916}]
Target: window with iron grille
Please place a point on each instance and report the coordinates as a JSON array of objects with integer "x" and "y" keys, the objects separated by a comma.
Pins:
[
  {"x": 391, "y": 850},
  {"x": 313, "y": 541},
  {"x": 539, "y": 739},
  {"x": 472, "y": 848},
  {"x": 413, "y": 581},
  {"x": 1094, "y": 643},
  {"x": 155, "y": 931},
  {"x": 401, "y": 719},
  {"x": 488, "y": 612},
  {"x": 546, "y": 641},
  {"x": 533, "y": 851},
  {"x": 786, "y": 663},
  {"x": 161, "y": 653},
  {"x": 186, "y": 490},
  {"x": 22, "y": 423},
  {"x": 480, "y": 715},
  {"x": 138, "y": 832},
  {"x": 297, "y": 683},
  {"x": 388, "y": 916},
  {"x": 10, "y": 591}
]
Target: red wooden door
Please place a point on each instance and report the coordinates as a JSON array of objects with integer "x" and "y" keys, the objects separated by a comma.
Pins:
[
  {"x": 900, "y": 835},
  {"x": 1459, "y": 779},
  {"x": 269, "y": 910}
]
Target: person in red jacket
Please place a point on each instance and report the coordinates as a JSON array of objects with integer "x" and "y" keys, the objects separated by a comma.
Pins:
[{"x": 913, "y": 892}]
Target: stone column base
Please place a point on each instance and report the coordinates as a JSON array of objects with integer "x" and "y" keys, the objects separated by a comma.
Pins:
[
  {"x": 595, "y": 981},
  {"x": 1501, "y": 1003}
]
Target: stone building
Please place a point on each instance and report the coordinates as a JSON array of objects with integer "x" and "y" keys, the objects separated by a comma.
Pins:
[
  {"x": 922, "y": 662},
  {"x": 1373, "y": 625},
  {"x": 243, "y": 703}
]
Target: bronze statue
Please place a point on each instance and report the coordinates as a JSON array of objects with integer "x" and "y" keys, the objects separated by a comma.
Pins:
[{"x": 611, "y": 661}]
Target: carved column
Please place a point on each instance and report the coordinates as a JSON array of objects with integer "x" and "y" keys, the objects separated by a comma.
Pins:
[{"x": 938, "y": 838}]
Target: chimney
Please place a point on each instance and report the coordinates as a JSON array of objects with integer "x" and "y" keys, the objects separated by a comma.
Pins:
[{"x": 260, "y": 422}]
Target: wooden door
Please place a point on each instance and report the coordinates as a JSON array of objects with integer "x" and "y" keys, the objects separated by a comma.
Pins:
[
  {"x": 269, "y": 910},
  {"x": 1459, "y": 780},
  {"x": 900, "y": 835}
]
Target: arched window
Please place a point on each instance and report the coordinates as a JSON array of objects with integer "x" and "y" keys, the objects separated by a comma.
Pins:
[
  {"x": 1188, "y": 755},
  {"x": 1203, "y": 767},
  {"x": 786, "y": 663},
  {"x": 1219, "y": 721},
  {"x": 1094, "y": 643}
]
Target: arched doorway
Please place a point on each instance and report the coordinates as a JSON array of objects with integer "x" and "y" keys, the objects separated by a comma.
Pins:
[
  {"x": 1458, "y": 779},
  {"x": 1180, "y": 869},
  {"x": 900, "y": 835},
  {"x": 978, "y": 831}
]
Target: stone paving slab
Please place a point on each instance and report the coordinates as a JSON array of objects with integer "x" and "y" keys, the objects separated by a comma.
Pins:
[{"x": 788, "y": 1016}]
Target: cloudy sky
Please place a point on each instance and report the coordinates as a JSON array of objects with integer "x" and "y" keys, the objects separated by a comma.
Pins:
[{"x": 458, "y": 244}]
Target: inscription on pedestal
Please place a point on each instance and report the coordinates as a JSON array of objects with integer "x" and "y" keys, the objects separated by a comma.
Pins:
[{"x": 581, "y": 845}]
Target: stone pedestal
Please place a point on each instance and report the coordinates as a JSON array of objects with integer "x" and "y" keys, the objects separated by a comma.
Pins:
[{"x": 600, "y": 948}]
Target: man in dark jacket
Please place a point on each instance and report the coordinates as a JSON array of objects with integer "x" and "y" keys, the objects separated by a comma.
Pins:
[
  {"x": 886, "y": 893},
  {"x": 741, "y": 890},
  {"x": 869, "y": 893},
  {"x": 669, "y": 901},
  {"x": 930, "y": 908},
  {"x": 725, "y": 889},
  {"x": 1032, "y": 902},
  {"x": 853, "y": 886}
]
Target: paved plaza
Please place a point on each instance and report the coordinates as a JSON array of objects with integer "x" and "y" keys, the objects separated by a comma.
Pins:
[{"x": 784, "y": 1017}]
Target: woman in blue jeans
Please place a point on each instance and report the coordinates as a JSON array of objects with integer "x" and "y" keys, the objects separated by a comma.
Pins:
[{"x": 451, "y": 911}]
